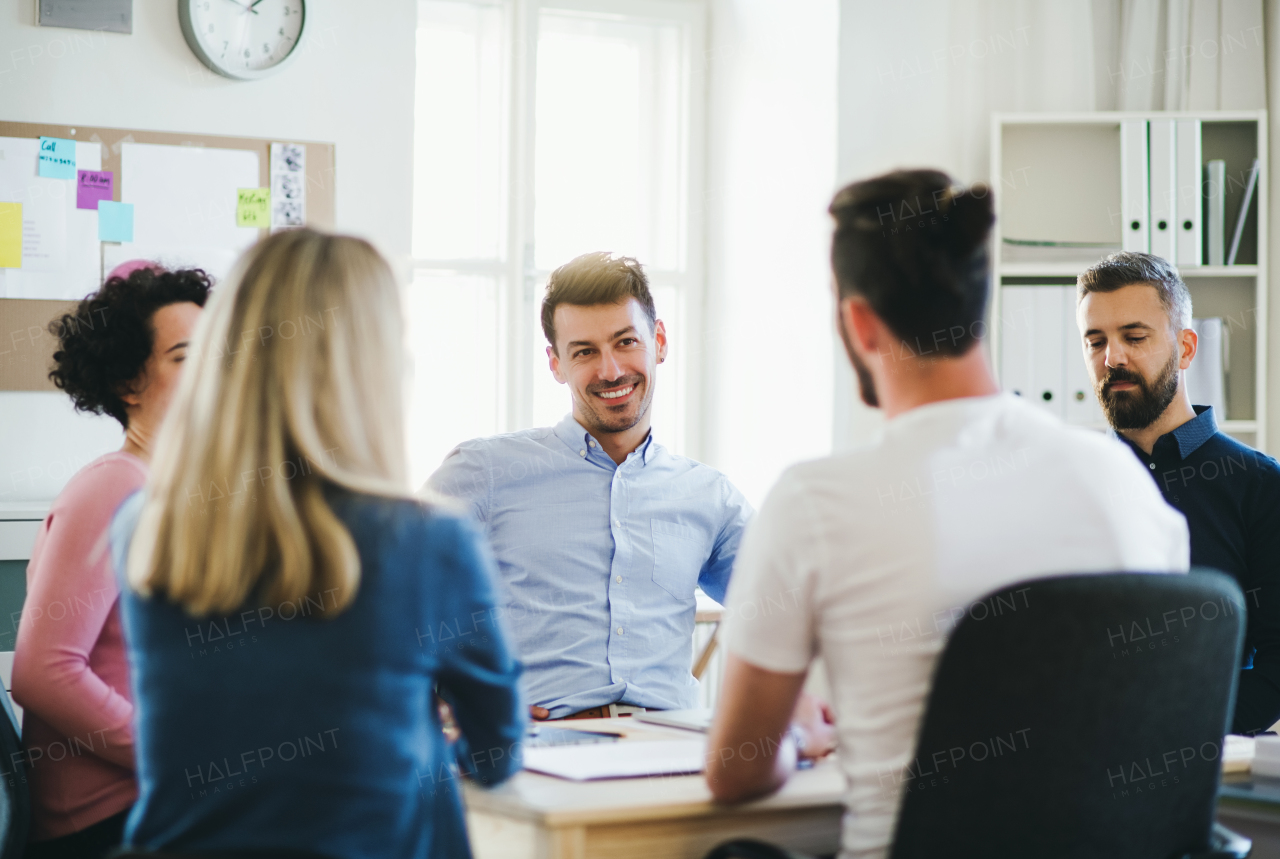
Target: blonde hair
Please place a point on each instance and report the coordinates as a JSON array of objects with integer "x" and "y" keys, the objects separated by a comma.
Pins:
[{"x": 293, "y": 380}]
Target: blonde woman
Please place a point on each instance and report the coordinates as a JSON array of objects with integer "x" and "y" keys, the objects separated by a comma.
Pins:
[{"x": 290, "y": 609}]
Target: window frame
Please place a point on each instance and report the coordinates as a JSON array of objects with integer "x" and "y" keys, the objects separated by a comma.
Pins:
[{"x": 519, "y": 281}]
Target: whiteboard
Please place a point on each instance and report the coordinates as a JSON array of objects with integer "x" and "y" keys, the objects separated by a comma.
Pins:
[
  {"x": 60, "y": 249},
  {"x": 184, "y": 204}
]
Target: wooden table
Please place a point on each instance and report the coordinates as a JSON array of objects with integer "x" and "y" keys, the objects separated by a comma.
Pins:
[{"x": 540, "y": 817}]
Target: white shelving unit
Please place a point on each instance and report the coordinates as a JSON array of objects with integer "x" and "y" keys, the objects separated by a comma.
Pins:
[{"x": 1056, "y": 177}]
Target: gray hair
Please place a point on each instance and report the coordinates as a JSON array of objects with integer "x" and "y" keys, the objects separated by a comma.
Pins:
[{"x": 1129, "y": 268}]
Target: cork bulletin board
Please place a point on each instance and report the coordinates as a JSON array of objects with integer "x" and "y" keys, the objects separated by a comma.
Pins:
[{"x": 26, "y": 347}]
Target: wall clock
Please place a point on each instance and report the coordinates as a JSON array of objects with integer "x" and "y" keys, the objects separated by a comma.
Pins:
[{"x": 243, "y": 39}]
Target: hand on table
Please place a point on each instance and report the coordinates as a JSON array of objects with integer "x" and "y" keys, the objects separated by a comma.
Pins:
[{"x": 815, "y": 722}]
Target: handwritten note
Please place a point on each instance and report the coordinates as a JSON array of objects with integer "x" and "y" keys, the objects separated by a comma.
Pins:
[
  {"x": 57, "y": 158},
  {"x": 115, "y": 221},
  {"x": 92, "y": 186},
  {"x": 10, "y": 235},
  {"x": 253, "y": 207}
]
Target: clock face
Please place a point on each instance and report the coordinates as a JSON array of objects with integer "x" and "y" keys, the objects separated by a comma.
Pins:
[{"x": 243, "y": 38}]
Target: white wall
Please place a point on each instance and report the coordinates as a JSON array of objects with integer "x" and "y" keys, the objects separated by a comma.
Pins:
[
  {"x": 771, "y": 173},
  {"x": 352, "y": 86}
]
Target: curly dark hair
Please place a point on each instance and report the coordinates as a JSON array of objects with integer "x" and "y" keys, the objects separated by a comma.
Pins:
[{"x": 105, "y": 343}]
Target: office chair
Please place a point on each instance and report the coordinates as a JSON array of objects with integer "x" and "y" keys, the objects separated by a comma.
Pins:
[
  {"x": 1076, "y": 716},
  {"x": 15, "y": 795}
]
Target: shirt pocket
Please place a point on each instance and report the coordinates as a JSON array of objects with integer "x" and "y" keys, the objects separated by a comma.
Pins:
[{"x": 678, "y": 556}]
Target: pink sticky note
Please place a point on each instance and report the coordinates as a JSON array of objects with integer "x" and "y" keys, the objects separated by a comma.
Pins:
[{"x": 92, "y": 186}]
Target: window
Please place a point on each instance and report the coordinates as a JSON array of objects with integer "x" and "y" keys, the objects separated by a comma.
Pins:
[{"x": 525, "y": 158}]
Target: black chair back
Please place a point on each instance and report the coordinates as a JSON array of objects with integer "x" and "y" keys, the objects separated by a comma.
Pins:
[
  {"x": 1077, "y": 716},
  {"x": 15, "y": 794}
]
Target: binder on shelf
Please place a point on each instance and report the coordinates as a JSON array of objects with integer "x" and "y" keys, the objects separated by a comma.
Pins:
[
  {"x": 1244, "y": 213},
  {"x": 1032, "y": 357},
  {"x": 1081, "y": 407},
  {"x": 1017, "y": 331},
  {"x": 1162, "y": 168},
  {"x": 1190, "y": 243},
  {"x": 1206, "y": 378},
  {"x": 1049, "y": 357},
  {"x": 1215, "y": 198},
  {"x": 1134, "y": 197}
]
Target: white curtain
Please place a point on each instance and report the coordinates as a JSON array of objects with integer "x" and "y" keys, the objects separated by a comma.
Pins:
[{"x": 919, "y": 81}]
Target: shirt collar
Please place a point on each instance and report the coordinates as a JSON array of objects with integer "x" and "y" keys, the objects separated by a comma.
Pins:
[
  {"x": 1196, "y": 431},
  {"x": 1187, "y": 438},
  {"x": 576, "y": 437}
]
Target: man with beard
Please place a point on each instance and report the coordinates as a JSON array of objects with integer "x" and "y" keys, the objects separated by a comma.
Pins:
[
  {"x": 874, "y": 554},
  {"x": 601, "y": 535},
  {"x": 1135, "y": 313}
]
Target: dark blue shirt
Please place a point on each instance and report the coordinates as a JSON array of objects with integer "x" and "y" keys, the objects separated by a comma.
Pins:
[
  {"x": 1230, "y": 494},
  {"x": 290, "y": 725}
]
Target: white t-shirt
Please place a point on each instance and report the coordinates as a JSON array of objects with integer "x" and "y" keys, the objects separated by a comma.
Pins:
[{"x": 869, "y": 558}]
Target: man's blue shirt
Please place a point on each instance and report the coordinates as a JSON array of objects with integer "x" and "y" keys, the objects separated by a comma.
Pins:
[{"x": 599, "y": 561}]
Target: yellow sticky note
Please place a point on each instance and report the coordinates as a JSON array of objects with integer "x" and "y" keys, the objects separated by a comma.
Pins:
[
  {"x": 253, "y": 207},
  {"x": 10, "y": 235}
]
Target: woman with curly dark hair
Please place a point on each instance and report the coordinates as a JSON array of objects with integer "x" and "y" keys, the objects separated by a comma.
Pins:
[{"x": 120, "y": 354}]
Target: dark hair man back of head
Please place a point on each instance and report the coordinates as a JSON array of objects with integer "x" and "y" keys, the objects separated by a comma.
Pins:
[{"x": 912, "y": 247}]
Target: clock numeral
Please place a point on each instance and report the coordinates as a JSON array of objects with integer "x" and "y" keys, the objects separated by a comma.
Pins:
[
  {"x": 246, "y": 53},
  {"x": 210, "y": 28},
  {"x": 282, "y": 31},
  {"x": 266, "y": 49}
]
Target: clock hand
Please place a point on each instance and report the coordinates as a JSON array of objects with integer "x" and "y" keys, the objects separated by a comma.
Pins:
[{"x": 251, "y": 6}]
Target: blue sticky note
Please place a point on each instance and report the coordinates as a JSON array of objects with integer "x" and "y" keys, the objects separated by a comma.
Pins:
[
  {"x": 57, "y": 158},
  {"x": 115, "y": 221}
]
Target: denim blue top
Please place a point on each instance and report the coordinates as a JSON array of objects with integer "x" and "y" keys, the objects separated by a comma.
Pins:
[
  {"x": 288, "y": 726},
  {"x": 599, "y": 561}
]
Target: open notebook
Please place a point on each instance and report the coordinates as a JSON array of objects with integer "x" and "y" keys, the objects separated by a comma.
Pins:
[{"x": 618, "y": 760}]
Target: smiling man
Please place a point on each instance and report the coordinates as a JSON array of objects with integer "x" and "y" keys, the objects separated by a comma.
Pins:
[
  {"x": 1135, "y": 316},
  {"x": 601, "y": 535}
]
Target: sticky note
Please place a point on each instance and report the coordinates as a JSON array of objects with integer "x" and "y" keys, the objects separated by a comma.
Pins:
[
  {"x": 115, "y": 221},
  {"x": 92, "y": 186},
  {"x": 253, "y": 207},
  {"x": 10, "y": 235},
  {"x": 57, "y": 158}
]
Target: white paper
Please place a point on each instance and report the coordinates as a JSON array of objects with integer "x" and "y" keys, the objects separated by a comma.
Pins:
[
  {"x": 60, "y": 242},
  {"x": 185, "y": 196},
  {"x": 622, "y": 759}
]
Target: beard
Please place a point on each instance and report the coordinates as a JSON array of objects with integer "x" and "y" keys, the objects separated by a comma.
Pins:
[
  {"x": 1138, "y": 408},
  {"x": 600, "y": 420},
  {"x": 866, "y": 384}
]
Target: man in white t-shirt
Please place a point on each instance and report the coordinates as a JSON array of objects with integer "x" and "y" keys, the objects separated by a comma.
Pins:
[{"x": 869, "y": 557}]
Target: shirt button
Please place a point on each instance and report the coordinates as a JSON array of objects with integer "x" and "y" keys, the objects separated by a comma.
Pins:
[
  {"x": 619, "y": 630},
  {"x": 618, "y": 580},
  {"x": 582, "y": 453},
  {"x": 591, "y": 443},
  {"x": 617, "y": 524},
  {"x": 1152, "y": 466}
]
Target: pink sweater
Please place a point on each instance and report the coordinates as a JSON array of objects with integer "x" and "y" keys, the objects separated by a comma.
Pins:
[{"x": 70, "y": 672}]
